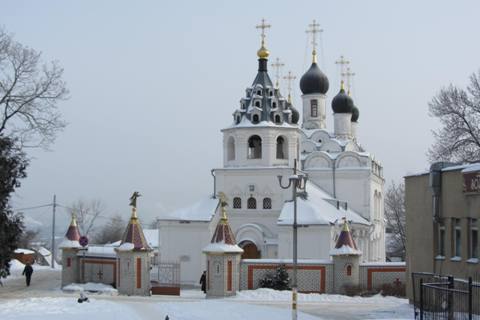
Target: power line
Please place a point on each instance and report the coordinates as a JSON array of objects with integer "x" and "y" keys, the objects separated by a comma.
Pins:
[{"x": 35, "y": 207}]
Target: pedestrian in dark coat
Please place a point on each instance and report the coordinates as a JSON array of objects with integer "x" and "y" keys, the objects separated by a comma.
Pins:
[
  {"x": 28, "y": 273},
  {"x": 203, "y": 281}
]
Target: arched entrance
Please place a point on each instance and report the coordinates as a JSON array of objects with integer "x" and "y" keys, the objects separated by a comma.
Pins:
[{"x": 250, "y": 250}]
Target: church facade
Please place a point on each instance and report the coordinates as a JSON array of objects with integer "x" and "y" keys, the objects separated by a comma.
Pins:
[{"x": 265, "y": 141}]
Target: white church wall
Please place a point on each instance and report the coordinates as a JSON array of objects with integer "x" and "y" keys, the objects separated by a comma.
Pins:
[
  {"x": 314, "y": 242},
  {"x": 183, "y": 242}
]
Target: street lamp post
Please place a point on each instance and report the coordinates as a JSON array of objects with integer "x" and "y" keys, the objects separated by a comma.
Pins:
[{"x": 298, "y": 181}]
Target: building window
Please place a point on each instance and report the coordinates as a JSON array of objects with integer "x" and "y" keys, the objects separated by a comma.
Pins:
[
  {"x": 69, "y": 262},
  {"x": 277, "y": 118},
  {"x": 281, "y": 148},
  {"x": 254, "y": 147},
  {"x": 259, "y": 92},
  {"x": 441, "y": 240},
  {"x": 349, "y": 270},
  {"x": 314, "y": 108},
  {"x": 267, "y": 203},
  {"x": 252, "y": 203},
  {"x": 473, "y": 238},
  {"x": 255, "y": 119},
  {"x": 237, "y": 120},
  {"x": 457, "y": 238},
  {"x": 257, "y": 104},
  {"x": 230, "y": 149},
  {"x": 274, "y": 105},
  {"x": 237, "y": 203}
]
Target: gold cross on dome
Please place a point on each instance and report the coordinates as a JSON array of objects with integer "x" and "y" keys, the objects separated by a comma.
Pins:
[
  {"x": 289, "y": 77},
  {"x": 314, "y": 29},
  {"x": 348, "y": 75},
  {"x": 263, "y": 26},
  {"x": 343, "y": 63},
  {"x": 277, "y": 65}
]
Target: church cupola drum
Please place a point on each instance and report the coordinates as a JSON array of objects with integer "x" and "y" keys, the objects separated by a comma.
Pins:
[
  {"x": 265, "y": 131},
  {"x": 314, "y": 86}
]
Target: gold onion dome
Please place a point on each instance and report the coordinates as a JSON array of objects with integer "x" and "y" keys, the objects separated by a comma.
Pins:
[{"x": 263, "y": 52}]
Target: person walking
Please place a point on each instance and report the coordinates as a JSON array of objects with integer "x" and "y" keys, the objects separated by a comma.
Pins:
[
  {"x": 203, "y": 281},
  {"x": 28, "y": 273}
]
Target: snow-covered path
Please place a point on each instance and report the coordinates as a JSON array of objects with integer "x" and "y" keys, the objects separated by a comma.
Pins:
[{"x": 44, "y": 300}]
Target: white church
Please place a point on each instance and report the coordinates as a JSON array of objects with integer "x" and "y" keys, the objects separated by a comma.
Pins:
[{"x": 263, "y": 142}]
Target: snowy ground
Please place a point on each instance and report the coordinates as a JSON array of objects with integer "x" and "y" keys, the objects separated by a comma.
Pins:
[{"x": 44, "y": 300}]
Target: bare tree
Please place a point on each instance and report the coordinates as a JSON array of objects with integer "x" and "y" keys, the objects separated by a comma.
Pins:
[
  {"x": 27, "y": 238},
  {"x": 112, "y": 231},
  {"x": 87, "y": 213},
  {"x": 459, "y": 113},
  {"x": 29, "y": 93},
  {"x": 395, "y": 215}
]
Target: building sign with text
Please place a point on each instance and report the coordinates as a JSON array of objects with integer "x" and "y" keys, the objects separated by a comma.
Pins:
[{"x": 471, "y": 182}]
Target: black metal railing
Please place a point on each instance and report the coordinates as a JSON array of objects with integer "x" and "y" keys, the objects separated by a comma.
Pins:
[{"x": 441, "y": 297}]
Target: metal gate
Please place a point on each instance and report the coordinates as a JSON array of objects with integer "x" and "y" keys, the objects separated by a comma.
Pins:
[{"x": 165, "y": 278}]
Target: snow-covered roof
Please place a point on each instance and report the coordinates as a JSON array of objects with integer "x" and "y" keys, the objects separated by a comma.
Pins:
[
  {"x": 344, "y": 250},
  {"x": 99, "y": 251},
  {"x": 245, "y": 123},
  {"x": 222, "y": 248},
  {"x": 203, "y": 210},
  {"x": 69, "y": 244},
  {"x": 44, "y": 252},
  {"x": 151, "y": 235},
  {"x": 471, "y": 168},
  {"x": 24, "y": 251},
  {"x": 127, "y": 246},
  {"x": 317, "y": 209}
]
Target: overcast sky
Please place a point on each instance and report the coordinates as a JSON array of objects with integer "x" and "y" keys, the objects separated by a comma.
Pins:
[{"x": 153, "y": 82}]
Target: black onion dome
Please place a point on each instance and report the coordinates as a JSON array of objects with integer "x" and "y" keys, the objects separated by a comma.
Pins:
[
  {"x": 355, "y": 113},
  {"x": 342, "y": 103},
  {"x": 295, "y": 115},
  {"x": 314, "y": 81}
]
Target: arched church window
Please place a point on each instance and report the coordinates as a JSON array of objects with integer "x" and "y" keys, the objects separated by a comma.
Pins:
[
  {"x": 281, "y": 148},
  {"x": 277, "y": 118},
  {"x": 237, "y": 203},
  {"x": 349, "y": 270},
  {"x": 267, "y": 203},
  {"x": 254, "y": 147},
  {"x": 259, "y": 92},
  {"x": 231, "y": 149},
  {"x": 255, "y": 119},
  {"x": 314, "y": 108},
  {"x": 237, "y": 120},
  {"x": 252, "y": 203},
  {"x": 274, "y": 105},
  {"x": 270, "y": 93},
  {"x": 257, "y": 104}
]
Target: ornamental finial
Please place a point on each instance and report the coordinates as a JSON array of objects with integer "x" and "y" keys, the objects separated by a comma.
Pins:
[
  {"x": 313, "y": 29},
  {"x": 133, "y": 203},
  {"x": 223, "y": 204},
  {"x": 277, "y": 66},
  {"x": 348, "y": 75},
  {"x": 263, "y": 52}
]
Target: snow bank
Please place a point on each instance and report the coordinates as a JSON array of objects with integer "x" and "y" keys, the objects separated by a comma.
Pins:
[
  {"x": 264, "y": 294},
  {"x": 64, "y": 308},
  {"x": 90, "y": 287}
]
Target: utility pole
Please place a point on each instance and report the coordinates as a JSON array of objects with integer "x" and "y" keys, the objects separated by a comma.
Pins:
[
  {"x": 298, "y": 182},
  {"x": 53, "y": 230}
]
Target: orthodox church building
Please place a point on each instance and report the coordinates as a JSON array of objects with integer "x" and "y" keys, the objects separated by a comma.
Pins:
[{"x": 266, "y": 140}]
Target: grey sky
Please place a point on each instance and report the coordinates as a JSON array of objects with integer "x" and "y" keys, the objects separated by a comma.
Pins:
[{"x": 152, "y": 83}]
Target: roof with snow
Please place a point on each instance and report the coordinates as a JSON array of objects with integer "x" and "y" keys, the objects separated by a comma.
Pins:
[
  {"x": 318, "y": 208},
  {"x": 152, "y": 237},
  {"x": 223, "y": 240},
  {"x": 203, "y": 210},
  {"x": 134, "y": 234},
  {"x": 72, "y": 236},
  {"x": 345, "y": 244}
]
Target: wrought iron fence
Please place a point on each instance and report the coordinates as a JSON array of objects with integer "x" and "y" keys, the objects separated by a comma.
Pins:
[{"x": 441, "y": 297}]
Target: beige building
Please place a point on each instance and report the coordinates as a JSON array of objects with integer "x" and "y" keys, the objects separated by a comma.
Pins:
[{"x": 443, "y": 218}]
